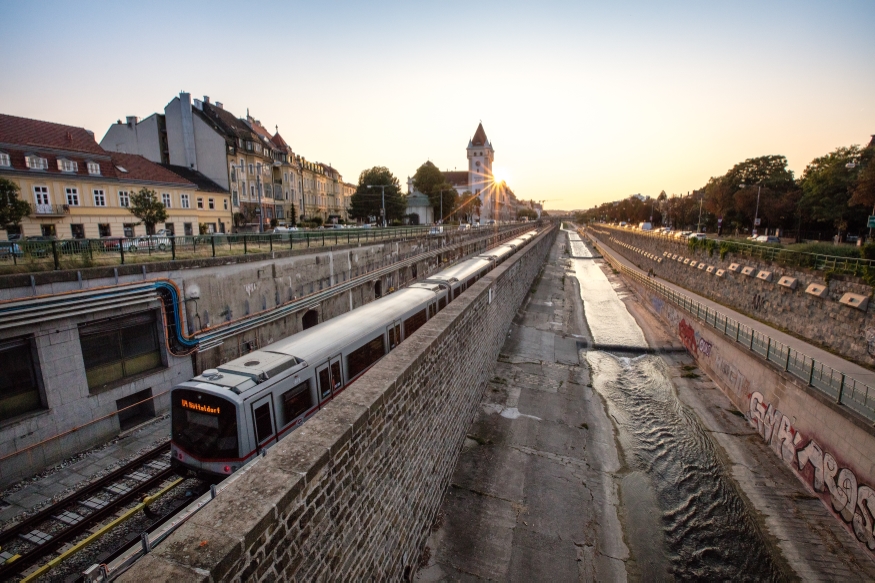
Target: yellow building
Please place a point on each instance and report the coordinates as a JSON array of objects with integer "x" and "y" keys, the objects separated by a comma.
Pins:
[{"x": 76, "y": 189}]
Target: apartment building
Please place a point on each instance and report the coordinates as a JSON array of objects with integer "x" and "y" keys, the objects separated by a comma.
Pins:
[{"x": 79, "y": 190}]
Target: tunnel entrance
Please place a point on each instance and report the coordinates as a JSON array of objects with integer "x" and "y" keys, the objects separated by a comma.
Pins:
[{"x": 310, "y": 319}]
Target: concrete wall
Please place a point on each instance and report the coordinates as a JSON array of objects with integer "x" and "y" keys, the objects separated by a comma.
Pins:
[
  {"x": 67, "y": 399},
  {"x": 828, "y": 448},
  {"x": 212, "y": 153},
  {"x": 843, "y": 329},
  {"x": 353, "y": 493},
  {"x": 142, "y": 138}
]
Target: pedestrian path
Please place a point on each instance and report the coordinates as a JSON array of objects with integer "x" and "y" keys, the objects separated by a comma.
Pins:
[
  {"x": 31, "y": 494},
  {"x": 850, "y": 369}
]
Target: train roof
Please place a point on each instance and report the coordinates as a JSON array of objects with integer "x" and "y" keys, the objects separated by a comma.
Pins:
[
  {"x": 461, "y": 271},
  {"x": 314, "y": 344}
]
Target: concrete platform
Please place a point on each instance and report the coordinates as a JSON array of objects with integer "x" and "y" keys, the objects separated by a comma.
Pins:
[
  {"x": 31, "y": 494},
  {"x": 533, "y": 497}
]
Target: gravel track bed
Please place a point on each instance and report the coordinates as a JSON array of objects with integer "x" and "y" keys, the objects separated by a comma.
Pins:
[{"x": 73, "y": 460}]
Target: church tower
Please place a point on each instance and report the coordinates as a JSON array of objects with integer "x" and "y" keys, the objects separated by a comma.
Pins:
[{"x": 480, "y": 158}]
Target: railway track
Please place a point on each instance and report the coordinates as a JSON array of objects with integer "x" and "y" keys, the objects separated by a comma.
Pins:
[{"x": 55, "y": 529}]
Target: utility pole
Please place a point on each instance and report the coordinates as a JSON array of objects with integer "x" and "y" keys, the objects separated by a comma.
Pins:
[{"x": 382, "y": 188}]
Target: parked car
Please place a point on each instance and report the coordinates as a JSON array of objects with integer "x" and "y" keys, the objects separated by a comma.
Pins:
[
  {"x": 147, "y": 244},
  {"x": 9, "y": 249},
  {"x": 767, "y": 239},
  {"x": 697, "y": 236},
  {"x": 464, "y": 226},
  {"x": 439, "y": 230}
]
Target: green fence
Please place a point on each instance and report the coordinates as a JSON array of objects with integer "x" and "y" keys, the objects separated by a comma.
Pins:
[{"x": 42, "y": 255}]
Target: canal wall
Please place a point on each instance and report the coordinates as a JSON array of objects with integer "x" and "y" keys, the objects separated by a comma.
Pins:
[
  {"x": 822, "y": 319},
  {"x": 353, "y": 493},
  {"x": 830, "y": 449}
]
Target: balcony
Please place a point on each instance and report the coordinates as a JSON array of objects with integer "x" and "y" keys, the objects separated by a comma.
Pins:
[{"x": 52, "y": 210}]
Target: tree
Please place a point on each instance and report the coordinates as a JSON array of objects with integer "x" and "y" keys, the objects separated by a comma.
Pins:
[
  {"x": 864, "y": 189},
  {"x": 12, "y": 209},
  {"x": 293, "y": 215},
  {"x": 146, "y": 207},
  {"x": 525, "y": 213},
  {"x": 469, "y": 205},
  {"x": 827, "y": 183},
  {"x": 367, "y": 202},
  {"x": 442, "y": 195}
]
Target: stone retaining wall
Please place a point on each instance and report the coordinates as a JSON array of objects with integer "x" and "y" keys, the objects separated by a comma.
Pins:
[
  {"x": 843, "y": 329},
  {"x": 352, "y": 494},
  {"x": 830, "y": 451}
]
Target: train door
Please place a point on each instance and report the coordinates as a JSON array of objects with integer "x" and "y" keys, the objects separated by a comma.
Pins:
[
  {"x": 394, "y": 332},
  {"x": 263, "y": 419},
  {"x": 329, "y": 377},
  {"x": 432, "y": 310}
]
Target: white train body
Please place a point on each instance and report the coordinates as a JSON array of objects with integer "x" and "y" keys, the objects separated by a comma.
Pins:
[{"x": 225, "y": 416}]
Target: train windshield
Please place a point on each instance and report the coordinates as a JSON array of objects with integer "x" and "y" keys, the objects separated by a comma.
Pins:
[{"x": 204, "y": 425}]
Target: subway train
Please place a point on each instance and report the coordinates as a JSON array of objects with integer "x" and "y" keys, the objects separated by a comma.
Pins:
[{"x": 223, "y": 417}]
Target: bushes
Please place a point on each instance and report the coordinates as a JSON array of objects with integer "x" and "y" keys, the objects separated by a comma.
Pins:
[{"x": 867, "y": 251}]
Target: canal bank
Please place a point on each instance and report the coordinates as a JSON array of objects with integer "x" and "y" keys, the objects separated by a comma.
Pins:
[{"x": 623, "y": 465}]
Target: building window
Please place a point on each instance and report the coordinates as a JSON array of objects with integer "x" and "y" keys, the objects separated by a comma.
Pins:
[
  {"x": 200, "y": 202},
  {"x": 65, "y": 165},
  {"x": 99, "y": 197},
  {"x": 211, "y": 204},
  {"x": 251, "y": 168},
  {"x": 36, "y": 163},
  {"x": 128, "y": 229},
  {"x": 41, "y": 195},
  {"x": 187, "y": 230},
  {"x": 119, "y": 347},
  {"x": 72, "y": 196},
  {"x": 19, "y": 381},
  {"x": 233, "y": 173},
  {"x": 165, "y": 198},
  {"x": 124, "y": 198},
  {"x": 104, "y": 230},
  {"x": 235, "y": 199},
  {"x": 252, "y": 191},
  {"x": 94, "y": 168},
  {"x": 184, "y": 201},
  {"x": 4, "y": 160},
  {"x": 170, "y": 228},
  {"x": 225, "y": 201}
]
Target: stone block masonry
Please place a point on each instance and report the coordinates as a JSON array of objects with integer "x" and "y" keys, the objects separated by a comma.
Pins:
[
  {"x": 842, "y": 329},
  {"x": 352, "y": 494}
]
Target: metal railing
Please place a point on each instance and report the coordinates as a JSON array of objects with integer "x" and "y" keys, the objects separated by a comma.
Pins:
[
  {"x": 24, "y": 256},
  {"x": 851, "y": 265},
  {"x": 845, "y": 390}
]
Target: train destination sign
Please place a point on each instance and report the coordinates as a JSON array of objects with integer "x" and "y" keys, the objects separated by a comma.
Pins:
[{"x": 202, "y": 408}]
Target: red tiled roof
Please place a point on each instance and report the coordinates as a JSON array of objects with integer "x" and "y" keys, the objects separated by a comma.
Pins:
[
  {"x": 139, "y": 168},
  {"x": 479, "y": 138},
  {"x": 457, "y": 178},
  {"x": 17, "y": 159},
  {"x": 25, "y": 132},
  {"x": 280, "y": 142}
]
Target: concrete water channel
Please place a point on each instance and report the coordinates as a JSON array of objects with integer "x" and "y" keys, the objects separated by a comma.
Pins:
[{"x": 620, "y": 463}]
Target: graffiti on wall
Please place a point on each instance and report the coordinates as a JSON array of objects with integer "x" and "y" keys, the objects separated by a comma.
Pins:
[
  {"x": 853, "y": 502},
  {"x": 692, "y": 340}
]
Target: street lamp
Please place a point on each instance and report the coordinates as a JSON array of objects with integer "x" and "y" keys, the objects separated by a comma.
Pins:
[
  {"x": 701, "y": 200},
  {"x": 756, "y": 216},
  {"x": 382, "y": 188}
]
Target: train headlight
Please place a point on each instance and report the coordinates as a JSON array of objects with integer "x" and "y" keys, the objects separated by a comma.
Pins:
[{"x": 227, "y": 469}]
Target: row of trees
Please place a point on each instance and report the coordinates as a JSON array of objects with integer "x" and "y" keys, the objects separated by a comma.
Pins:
[
  {"x": 833, "y": 195},
  {"x": 377, "y": 182}
]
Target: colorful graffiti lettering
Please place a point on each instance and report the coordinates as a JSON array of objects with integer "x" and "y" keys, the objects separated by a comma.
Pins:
[
  {"x": 854, "y": 503},
  {"x": 688, "y": 337}
]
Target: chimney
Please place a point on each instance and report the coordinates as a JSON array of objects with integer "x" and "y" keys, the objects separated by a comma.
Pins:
[
  {"x": 219, "y": 105},
  {"x": 206, "y": 99},
  {"x": 132, "y": 120}
]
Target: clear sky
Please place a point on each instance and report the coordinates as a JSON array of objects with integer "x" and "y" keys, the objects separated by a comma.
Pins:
[{"x": 584, "y": 102}]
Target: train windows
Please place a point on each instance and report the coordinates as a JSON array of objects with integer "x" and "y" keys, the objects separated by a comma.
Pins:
[
  {"x": 414, "y": 322},
  {"x": 336, "y": 375},
  {"x": 263, "y": 419},
  {"x": 297, "y": 401},
  {"x": 457, "y": 292},
  {"x": 394, "y": 332},
  {"x": 204, "y": 425},
  {"x": 471, "y": 281},
  {"x": 324, "y": 378},
  {"x": 361, "y": 358},
  {"x": 442, "y": 302}
]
